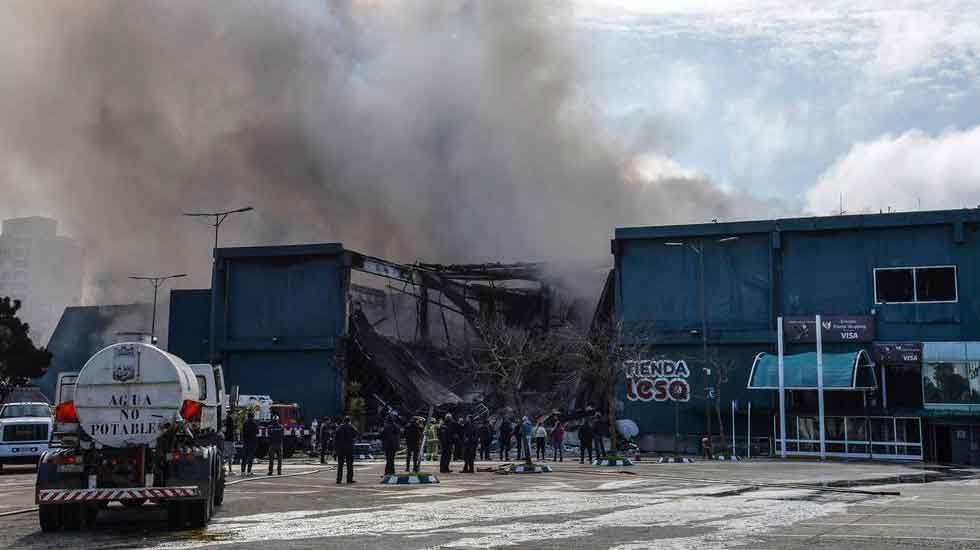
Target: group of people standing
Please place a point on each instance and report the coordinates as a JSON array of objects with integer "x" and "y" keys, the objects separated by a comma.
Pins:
[{"x": 461, "y": 439}]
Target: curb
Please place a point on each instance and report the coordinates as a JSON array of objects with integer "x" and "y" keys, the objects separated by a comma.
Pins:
[
  {"x": 613, "y": 462},
  {"x": 522, "y": 469},
  {"x": 265, "y": 477},
  {"x": 732, "y": 458},
  {"x": 15, "y": 512},
  {"x": 415, "y": 479},
  {"x": 675, "y": 460}
]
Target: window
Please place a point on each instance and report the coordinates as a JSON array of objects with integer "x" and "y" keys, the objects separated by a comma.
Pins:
[
  {"x": 202, "y": 384},
  {"x": 935, "y": 284},
  {"x": 952, "y": 383},
  {"x": 25, "y": 410},
  {"x": 905, "y": 285},
  {"x": 67, "y": 390}
]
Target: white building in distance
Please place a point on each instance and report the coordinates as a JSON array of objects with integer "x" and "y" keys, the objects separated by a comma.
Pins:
[{"x": 42, "y": 270}]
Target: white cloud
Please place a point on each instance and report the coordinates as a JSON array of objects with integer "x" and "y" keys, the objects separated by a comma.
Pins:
[
  {"x": 902, "y": 172},
  {"x": 883, "y": 39},
  {"x": 685, "y": 91}
]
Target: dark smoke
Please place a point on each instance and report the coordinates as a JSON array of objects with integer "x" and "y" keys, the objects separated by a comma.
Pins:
[{"x": 443, "y": 130}]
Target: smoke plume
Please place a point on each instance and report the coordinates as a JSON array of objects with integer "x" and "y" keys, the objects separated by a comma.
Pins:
[{"x": 443, "y": 130}]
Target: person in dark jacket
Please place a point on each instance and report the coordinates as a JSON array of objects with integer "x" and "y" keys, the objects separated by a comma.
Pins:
[
  {"x": 486, "y": 439},
  {"x": 471, "y": 438},
  {"x": 458, "y": 439},
  {"x": 343, "y": 444},
  {"x": 413, "y": 444},
  {"x": 506, "y": 432},
  {"x": 390, "y": 438},
  {"x": 446, "y": 444},
  {"x": 250, "y": 442},
  {"x": 325, "y": 437},
  {"x": 599, "y": 431},
  {"x": 229, "y": 446},
  {"x": 276, "y": 436},
  {"x": 585, "y": 440}
]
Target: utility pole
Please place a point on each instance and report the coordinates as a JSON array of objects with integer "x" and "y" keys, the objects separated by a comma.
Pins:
[
  {"x": 219, "y": 218},
  {"x": 156, "y": 282}
]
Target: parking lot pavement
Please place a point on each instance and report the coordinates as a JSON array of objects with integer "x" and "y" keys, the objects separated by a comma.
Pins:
[{"x": 756, "y": 504}]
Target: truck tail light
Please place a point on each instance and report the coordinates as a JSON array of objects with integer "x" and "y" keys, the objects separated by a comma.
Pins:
[
  {"x": 66, "y": 413},
  {"x": 191, "y": 410}
]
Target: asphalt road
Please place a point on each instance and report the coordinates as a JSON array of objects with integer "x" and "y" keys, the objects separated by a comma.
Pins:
[{"x": 755, "y": 504}]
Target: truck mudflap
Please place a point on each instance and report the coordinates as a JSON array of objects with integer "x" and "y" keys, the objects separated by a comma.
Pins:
[{"x": 58, "y": 496}]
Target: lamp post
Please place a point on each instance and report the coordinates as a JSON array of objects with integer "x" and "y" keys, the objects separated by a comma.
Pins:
[
  {"x": 156, "y": 282},
  {"x": 219, "y": 218},
  {"x": 698, "y": 248}
]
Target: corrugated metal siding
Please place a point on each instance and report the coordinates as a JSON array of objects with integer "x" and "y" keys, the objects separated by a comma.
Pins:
[
  {"x": 279, "y": 315},
  {"x": 190, "y": 316},
  {"x": 310, "y": 378}
]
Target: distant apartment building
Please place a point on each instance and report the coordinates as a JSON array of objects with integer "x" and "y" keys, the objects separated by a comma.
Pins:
[{"x": 42, "y": 270}]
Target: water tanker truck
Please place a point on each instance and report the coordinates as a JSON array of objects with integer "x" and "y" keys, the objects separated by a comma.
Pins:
[{"x": 135, "y": 425}]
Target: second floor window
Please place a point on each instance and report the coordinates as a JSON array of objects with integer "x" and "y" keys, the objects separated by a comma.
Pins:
[{"x": 906, "y": 285}]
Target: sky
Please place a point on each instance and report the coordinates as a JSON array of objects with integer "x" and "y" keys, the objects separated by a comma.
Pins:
[{"x": 873, "y": 105}]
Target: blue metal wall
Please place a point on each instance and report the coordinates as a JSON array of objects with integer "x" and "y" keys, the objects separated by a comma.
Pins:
[
  {"x": 799, "y": 266},
  {"x": 190, "y": 321},
  {"x": 278, "y": 316}
]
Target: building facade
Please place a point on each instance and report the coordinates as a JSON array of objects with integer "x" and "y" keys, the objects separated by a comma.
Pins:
[
  {"x": 41, "y": 269},
  {"x": 899, "y": 296},
  {"x": 274, "y": 319}
]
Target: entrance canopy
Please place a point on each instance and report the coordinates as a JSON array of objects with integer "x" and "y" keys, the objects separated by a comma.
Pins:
[{"x": 841, "y": 371}]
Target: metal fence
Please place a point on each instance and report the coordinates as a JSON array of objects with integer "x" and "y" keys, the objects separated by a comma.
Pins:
[{"x": 881, "y": 437}]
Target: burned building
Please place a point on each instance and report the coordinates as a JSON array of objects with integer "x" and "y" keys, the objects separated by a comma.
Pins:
[{"x": 300, "y": 322}]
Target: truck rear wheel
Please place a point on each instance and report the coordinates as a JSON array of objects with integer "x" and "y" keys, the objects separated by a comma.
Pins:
[
  {"x": 219, "y": 490},
  {"x": 71, "y": 517},
  {"x": 199, "y": 512},
  {"x": 47, "y": 515},
  {"x": 176, "y": 511}
]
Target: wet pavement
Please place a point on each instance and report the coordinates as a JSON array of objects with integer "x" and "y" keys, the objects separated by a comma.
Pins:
[{"x": 752, "y": 504}]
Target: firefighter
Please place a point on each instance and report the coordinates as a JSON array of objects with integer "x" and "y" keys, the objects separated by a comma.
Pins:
[
  {"x": 390, "y": 437},
  {"x": 276, "y": 436},
  {"x": 343, "y": 444},
  {"x": 471, "y": 438},
  {"x": 446, "y": 444},
  {"x": 413, "y": 442}
]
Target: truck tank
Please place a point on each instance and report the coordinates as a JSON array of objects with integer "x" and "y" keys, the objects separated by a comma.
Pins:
[{"x": 127, "y": 394}]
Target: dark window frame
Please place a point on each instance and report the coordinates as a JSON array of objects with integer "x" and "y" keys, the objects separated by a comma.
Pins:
[{"x": 915, "y": 285}]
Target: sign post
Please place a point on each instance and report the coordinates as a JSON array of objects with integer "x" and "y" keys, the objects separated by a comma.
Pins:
[
  {"x": 782, "y": 390},
  {"x": 823, "y": 439},
  {"x": 733, "y": 428},
  {"x": 748, "y": 434}
]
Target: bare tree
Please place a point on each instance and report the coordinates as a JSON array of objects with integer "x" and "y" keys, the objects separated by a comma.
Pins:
[
  {"x": 506, "y": 356},
  {"x": 605, "y": 356}
]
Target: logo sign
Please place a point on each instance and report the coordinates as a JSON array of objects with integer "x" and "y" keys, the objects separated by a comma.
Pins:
[
  {"x": 657, "y": 380},
  {"x": 898, "y": 353},
  {"x": 803, "y": 330},
  {"x": 124, "y": 363}
]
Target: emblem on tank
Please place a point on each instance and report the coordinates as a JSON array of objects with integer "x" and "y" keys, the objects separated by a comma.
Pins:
[{"x": 122, "y": 372}]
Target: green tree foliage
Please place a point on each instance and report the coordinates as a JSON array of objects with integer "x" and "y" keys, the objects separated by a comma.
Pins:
[{"x": 19, "y": 359}]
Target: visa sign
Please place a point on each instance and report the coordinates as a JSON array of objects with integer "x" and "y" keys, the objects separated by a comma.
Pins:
[{"x": 803, "y": 330}]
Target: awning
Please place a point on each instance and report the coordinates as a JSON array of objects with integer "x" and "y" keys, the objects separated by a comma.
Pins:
[{"x": 841, "y": 371}]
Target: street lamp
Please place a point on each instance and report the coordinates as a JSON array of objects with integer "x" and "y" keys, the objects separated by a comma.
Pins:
[
  {"x": 698, "y": 248},
  {"x": 156, "y": 282},
  {"x": 219, "y": 218}
]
